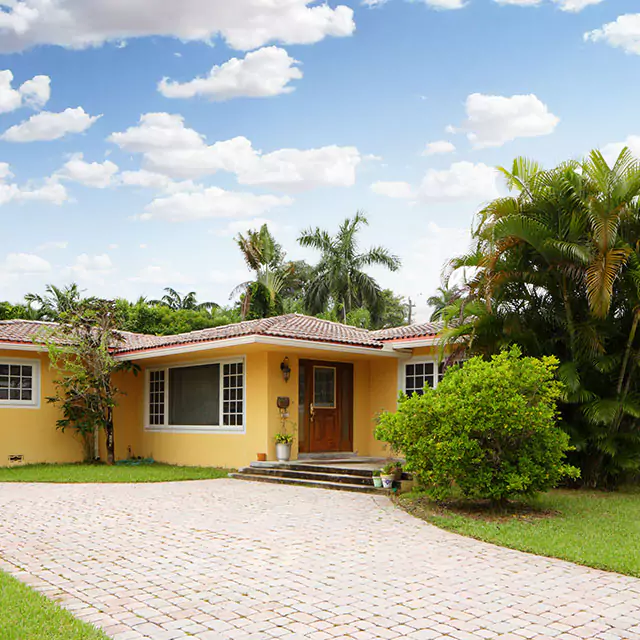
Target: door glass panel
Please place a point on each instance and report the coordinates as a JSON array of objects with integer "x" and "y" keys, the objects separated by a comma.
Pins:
[
  {"x": 346, "y": 406},
  {"x": 324, "y": 387}
]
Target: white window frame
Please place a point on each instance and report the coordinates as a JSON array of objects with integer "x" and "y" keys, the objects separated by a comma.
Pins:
[
  {"x": 221, "y": 428},
  {"x": 402, "y": 371},
  {"x": 34, "y": 403}
]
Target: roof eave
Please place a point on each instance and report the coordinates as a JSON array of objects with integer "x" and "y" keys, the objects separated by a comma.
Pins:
[{"x": 156, "y": 352}]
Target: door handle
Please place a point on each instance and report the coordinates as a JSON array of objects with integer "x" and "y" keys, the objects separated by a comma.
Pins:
[{"x": 312, "y": 411}]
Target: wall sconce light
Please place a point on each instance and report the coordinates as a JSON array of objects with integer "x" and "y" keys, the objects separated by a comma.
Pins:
[{"x": 286, "y": 369}]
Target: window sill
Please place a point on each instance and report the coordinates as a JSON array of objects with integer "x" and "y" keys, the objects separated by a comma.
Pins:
[
  {"x": 195, "y": 429},
  {"x": 5, "y": 404}
]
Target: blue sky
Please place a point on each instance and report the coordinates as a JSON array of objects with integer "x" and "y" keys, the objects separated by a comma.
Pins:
[{"x": 302, "y": 114}]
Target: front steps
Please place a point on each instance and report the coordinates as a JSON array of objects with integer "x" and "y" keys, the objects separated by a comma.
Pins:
[{"x": 323, "y": 475}]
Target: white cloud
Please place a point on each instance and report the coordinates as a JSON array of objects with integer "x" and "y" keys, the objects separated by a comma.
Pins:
[
  {"x": 211, "y": 203},
  {"x": 53, "y": 244},
  {"x": 571, "y": 6},
  {"x": 157, "y": 181},
  {"x": 50, "y": 126},
  {"x": 493, "y": 120},
  {"x": 373, "y": 3},
  {"x": 172, "y": 149},
  {"x": 235, "y": 227},
  {"x": 574, "y": 6},
  {"x": 92, "y": 174},
  {"x": 520, "y": 3},
  {"x": 462, "y": 181},
  {"x": 86, "y": 263},
  {"x": 244, "y": 24},
  {"x": 50, "y": 190},
  {"x": 261, "y": 73},
  {"x": 624, "y": 33},
  {"x": 438, "y": 147},
  {"x": 393, "y": 189},
  {"x": 612, "y": 150},
  {"x": 157, "y": 131},
  {"x": 25, "y": 263},
  {"x": 34, "y": 92},
  {"x": 159, "y": 274},
  {"x": 445, "y": 4},
  {"x": 426, "y": 256}
]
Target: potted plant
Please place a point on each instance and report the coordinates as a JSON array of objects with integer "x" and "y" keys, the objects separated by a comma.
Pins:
[
  {"x": 377, "y": 480},
  {"x": 283, "y": 441},
  {"x": 262, "y": 457},
  {"x": 388, "y": 475}
]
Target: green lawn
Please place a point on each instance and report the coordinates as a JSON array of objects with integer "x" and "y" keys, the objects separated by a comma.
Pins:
[
  {"x": 144, "y": 472},
  {"x": 596, "y": 529},
  {"x": 28, "y": 615}
]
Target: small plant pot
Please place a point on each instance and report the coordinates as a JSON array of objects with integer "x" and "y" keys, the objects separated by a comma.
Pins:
[
  {"x": 262, "y": 457},
  {"x": 387, "y": 481},
  {"x": 283, "y": 452},
  {"x": 377, "y": 482}
]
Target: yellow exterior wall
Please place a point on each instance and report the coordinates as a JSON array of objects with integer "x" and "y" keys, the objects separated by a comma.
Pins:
[{"x": 32, "y": 432}]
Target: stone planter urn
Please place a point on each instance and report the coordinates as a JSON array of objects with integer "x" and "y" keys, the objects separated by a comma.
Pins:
[{"x": 283, "y": 452}]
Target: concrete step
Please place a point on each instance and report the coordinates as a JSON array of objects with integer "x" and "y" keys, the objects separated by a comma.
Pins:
[
  {"x": 343, "y": 470},
  {"x": 307, "y": 474},
  {"x": 319, "y": 484}
]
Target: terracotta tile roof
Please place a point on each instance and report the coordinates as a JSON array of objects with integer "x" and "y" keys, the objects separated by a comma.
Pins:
[
  {"x": 25, "y": 331},
  {"x": 410, "y": 331},
  {"x": 291, "y": 326}
]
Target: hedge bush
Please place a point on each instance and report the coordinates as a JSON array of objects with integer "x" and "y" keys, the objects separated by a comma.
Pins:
[{"x": 489, "y": 429}]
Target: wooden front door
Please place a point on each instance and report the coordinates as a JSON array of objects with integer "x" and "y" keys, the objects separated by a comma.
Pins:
[{"x": 326, "y": 406}]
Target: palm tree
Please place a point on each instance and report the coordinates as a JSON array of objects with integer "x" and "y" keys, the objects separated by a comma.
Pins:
[
  {"x": 339, "y": 278},
  {"x": 444, "y": 297},
  {"x": 56, "y": 301},
  {"x": 178, "y": 302},
  {"x": 261, "y": 297},
  {"x": 557, "y": 270}
]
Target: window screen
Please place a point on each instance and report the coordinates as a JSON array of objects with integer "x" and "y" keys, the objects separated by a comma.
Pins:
[{"x": 194, "y": 395}]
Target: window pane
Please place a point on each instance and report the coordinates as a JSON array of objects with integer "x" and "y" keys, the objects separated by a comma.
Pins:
[
  {"x": 324, "y": 387},
  {"x": 156, "y": 398},
  {"x": 194, "y": 395},
  {"x": 232, "y": 387}
]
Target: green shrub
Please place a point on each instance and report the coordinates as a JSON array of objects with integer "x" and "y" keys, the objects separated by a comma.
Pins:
[{"x": 489, "y": 429}]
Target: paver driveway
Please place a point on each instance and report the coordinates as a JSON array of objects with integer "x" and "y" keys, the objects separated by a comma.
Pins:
[{"x": 226, "y": 559}]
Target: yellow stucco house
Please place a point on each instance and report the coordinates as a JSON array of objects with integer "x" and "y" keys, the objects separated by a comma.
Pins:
[{"x": 217, "y": 397}]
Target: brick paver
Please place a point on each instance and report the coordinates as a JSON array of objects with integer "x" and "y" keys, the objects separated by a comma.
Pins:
[{"x": 230, "y": 560}]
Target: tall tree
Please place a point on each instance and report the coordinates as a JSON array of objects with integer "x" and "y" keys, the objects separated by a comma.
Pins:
[
  {"x": 340, "y": 280},
  {"x": 55, "y": 301},
  {"x": 557, "y": 270},
  {"x": 178, "y": 302},
  {"x": 444, "y": 297},
  {"x": 80, "y": 351},
  {"x": 263, "y": 295}
]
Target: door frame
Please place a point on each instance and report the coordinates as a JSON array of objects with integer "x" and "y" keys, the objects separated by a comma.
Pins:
[{"x": 344, "y": 375}]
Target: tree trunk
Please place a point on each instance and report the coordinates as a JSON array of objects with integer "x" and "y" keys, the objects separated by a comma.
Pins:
[
  {"x": 111, "y": 456},
  {"x": 96, "y": 442}
]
